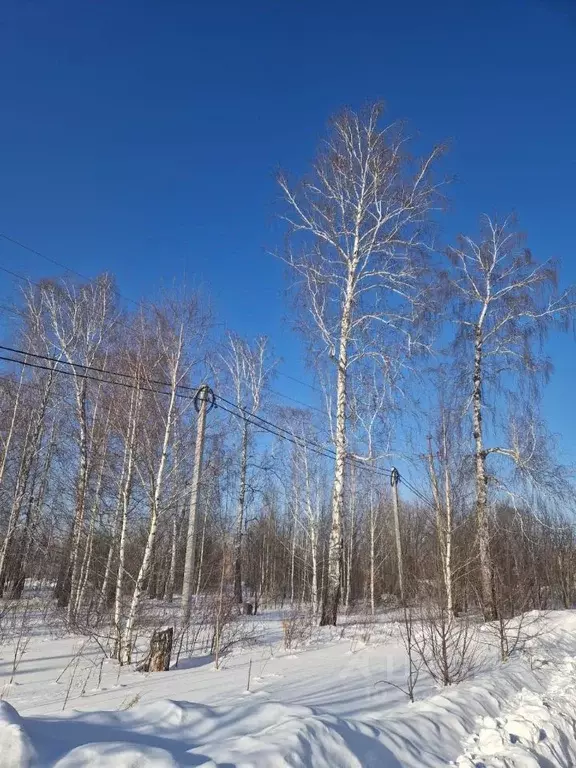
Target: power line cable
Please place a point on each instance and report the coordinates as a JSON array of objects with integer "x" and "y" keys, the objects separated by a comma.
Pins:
[
  {"x": 239, "y": 412},
  {"x": 242, "y": 414},
  {"x": 51, "y": 260},
  {"x": 106, "y": 371},
  {"x": 42, "y": 255},
  {"x": 60, "y": 264},
  {"x": 30, "y": 364},
  {"x": 24, "y": 279},
  {"x": 127, "y": 298}
]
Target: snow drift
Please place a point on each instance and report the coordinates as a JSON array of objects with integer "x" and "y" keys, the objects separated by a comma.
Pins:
[{"x": 521, "y": 714}]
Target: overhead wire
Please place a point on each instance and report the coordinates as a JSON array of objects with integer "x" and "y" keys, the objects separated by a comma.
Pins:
[
  {"x": 239, "y": 412},
  {"x": 288, "y": 434},
  {"x": 13, "y": 240},
  {"x": 25, "y": 279},
  {"x": 258, "y": 421},
  {"x": 106, "y": 371}
]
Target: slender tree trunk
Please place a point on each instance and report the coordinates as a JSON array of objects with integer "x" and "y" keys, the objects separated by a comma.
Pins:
[
  {"x": 151, "y": 579},
  {"x": 313, "y": 515},
  {"x": 292, "y": 560},
  {"x": 15, "y": 509},
  {"x": 18, "y": 570},
  {"x": 448, "y": 538},
  {"x": 119, "y": 530},
  {"x": 398, "y": 535},
  {"x": 30, "y": 448},
  {"x": 240, "y": 515},
  {"x": 169, "y": 586},
  {"x": 351, "y": 536},
  {"x": 331, "y": 596},
  {"x": 116, "y": 524},
  {"x": 153, "y": 527},
  {"x": 443, "y": 521},
  {"x": 32, "y": 444},
  {"x": 11, "y": 427},
  {"x": 32, "y": 517},
  {"x": 86, "y": 564},
  {"x": 482, "y": 525},
  {"x": 87, "y": 559},
  {"x": 68, "y": 592},
  {"x": 314, "y": 563},
  {"x": 119, "y": 636},
  {"x": 124, "y": 502},
  {"x": 372, "y": 523}
]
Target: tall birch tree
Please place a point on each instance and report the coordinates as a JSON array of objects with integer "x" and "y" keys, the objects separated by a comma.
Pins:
[
  {"x": 249, "y": 368},
  {"x": 505, "y": 304},
  {"x": 359, "y": 226}
]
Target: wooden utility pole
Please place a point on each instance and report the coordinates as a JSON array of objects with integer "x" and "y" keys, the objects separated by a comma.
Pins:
[
  {"x": 240, "y": 514},
  {"x": 203, "y": 402},
  {"x": 394, "y": 480}
]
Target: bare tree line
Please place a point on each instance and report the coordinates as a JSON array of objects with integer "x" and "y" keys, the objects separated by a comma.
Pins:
[{"x": 432, "y": 357}]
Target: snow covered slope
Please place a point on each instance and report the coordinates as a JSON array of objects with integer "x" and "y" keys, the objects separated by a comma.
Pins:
[{"x": 515, "y": 715}]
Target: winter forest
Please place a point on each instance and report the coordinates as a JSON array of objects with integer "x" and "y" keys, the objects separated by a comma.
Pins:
[{"x": 151, "y": 475}]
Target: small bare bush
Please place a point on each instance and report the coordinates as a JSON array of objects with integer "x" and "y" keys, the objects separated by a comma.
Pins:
[
  {"x": 408, "y": 630},
  {"x": 297, "y": 628},
  {"x": 447, "y": 646},
  {"x": 510, "y": 634}
]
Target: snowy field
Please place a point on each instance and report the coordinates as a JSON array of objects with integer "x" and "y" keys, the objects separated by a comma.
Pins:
[{"x": 329, "y": 702}]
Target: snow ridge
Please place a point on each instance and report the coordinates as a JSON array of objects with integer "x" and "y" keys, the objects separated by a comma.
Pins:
[{"x": 536, "y": 729}]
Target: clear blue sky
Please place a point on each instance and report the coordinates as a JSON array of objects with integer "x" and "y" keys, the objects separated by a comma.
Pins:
[{"x": 142, "y": 137}]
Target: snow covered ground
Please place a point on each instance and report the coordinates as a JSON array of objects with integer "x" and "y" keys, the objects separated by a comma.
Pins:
[{"x": 328, "y": 705}]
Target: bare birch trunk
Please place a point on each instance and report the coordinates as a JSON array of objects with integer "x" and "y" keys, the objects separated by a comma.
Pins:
[
  {"x": 448, "y": 538},
  {"x": 482, "y": 526},
  {"x": 32, "y": 518},
  {"x": 169, "y": 587},
  {"x": 11, "y": 427},
  {"x": 124, "y": 501},
  {"x": 86, "y": 564},
  {"x": 32, "y": 443},
  {"x": 153, "y": 527},
  {"x": 372, "y": 524},
  {"x": 116, "y": 524},
  {"x": 313, "y": 515},
  {"x": 292, "y": 560},
  {"x": 68, "y": 594},
  {"x": 351, "y": 536},
  {"x": 331, "y": 597},
  {"x": 119, "y": 635},
  {"x": 15, "y": 509},
  {"x": 314, "y": 586},
  {"x": 443, "y": 521},
  {"x": 87, "y": 559}
]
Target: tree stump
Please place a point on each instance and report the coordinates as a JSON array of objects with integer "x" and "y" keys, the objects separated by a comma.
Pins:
[{"x": 158, "y": 659}]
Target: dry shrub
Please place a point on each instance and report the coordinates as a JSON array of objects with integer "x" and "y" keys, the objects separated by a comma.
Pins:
[
  {"x": 448, "y": 646},
  {"x": 297, "y": 628}
]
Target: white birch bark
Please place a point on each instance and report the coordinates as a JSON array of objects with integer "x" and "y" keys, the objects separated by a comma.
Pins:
[
  {"x": 359, "y": 225},
  {"x": 154, "y": 503},
  {"x": 8, "y": 440}
]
